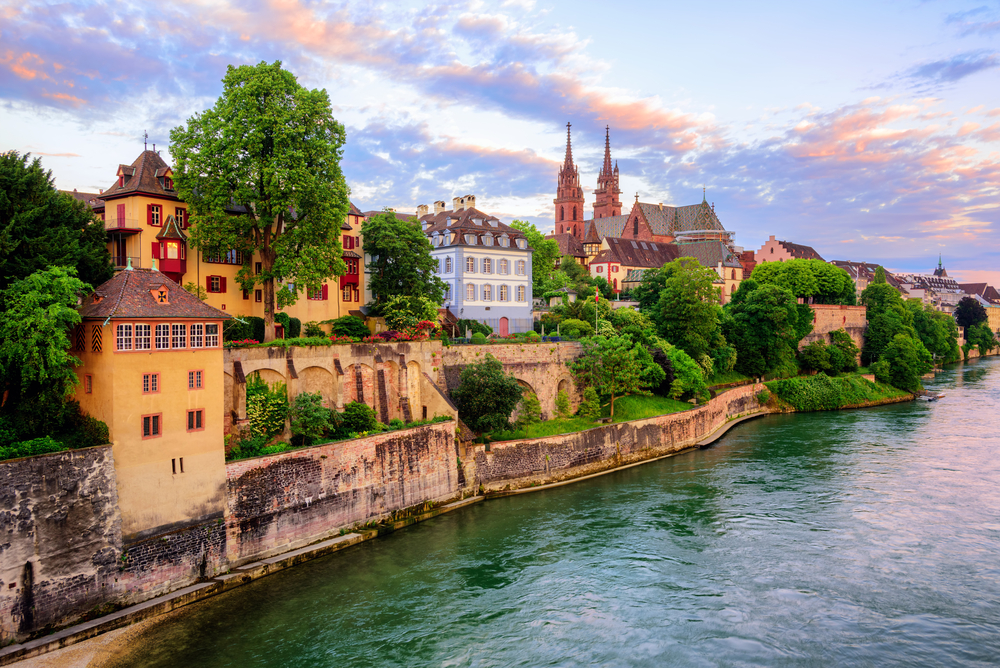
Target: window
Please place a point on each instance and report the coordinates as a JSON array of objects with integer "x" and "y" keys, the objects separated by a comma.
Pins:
[
  {"x": 80, "y": 338},
  {"x": 257, "y": 266},
  {"x": 447, "y": 293},
  {"x": 615, "y": 268},
  {"x": 522, "y": 243},
  {"x": 229, "y": 257},
  {"x": 470, "y": 239},
  {"x": 504, "y": 267},
  {"x": 88, "y": 384},
  {"x": 142, "y": 337},
  {"x": 447, "y": 265},
  {"x": 352, "y": 266},
  {"x": 216, "y": 284},
  {"x": 504, "y": 293},
  {"x": 521, "y": 267},
  {"x": 151, "y": 425},
  {"x": 246, "y": 294},
  {"x": 562, "y": 213},
  {"x": 487, "y": 293},
  {"x": 153, "y": 214},
  {"x": 470, "y": 265},
  {"x": 173, "y": 465},
  {"x": 96, "y": 334},
  {"x": 179, "y": 336},
  {"x": 487, "y": 240},
  {"x": 197, "y": 336},
  {"x": 212, "y": 335},
  {"x": 162, "y": 338},
  {"x": 319, "y": 295},
  {"x": 470, "y": 292},
  {"x": 150, "y": 383},
  {"x": 347, "y": 293},
  {"x": 487, "y": 265},
  {"x": 521, "y": 293},
  {"x": 600, "y": 269},
  {"x": 123, "y": 337},
  {"x": 258, "y": 296},
  {"x": 196, "y": 420},
  {"x": 180, "y": 215}
]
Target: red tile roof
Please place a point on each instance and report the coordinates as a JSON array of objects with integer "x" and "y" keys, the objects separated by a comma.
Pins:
[
  {"x": 144, "y": 172},
  {"x": 129, "y": 295},
  {"x": 800, "y": 252},
  {"x": 568, "y": 244}
]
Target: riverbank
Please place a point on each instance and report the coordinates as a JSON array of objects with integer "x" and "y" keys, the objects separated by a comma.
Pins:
[{"x": 496, "y": 469}]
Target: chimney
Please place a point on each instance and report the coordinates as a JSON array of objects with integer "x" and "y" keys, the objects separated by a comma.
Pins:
[
  {"x": 422, "y": 211},
  {"x": 439, "y": 206},
  {"x": 661, "y": 206},
  {"x": 456, "y": 204},
  {"x": 470, "y": 201}
]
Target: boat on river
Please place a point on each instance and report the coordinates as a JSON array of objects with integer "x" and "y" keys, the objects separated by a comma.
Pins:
[{"x": 930, "y": 397}]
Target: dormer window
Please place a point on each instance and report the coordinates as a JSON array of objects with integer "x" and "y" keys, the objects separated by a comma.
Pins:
[
  {"x": 487, "y": 240},
  {"x": 470, "y": 239},
  {"x": 168, "y": 183}
]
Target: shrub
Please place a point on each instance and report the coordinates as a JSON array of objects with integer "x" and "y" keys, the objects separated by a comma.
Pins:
[
  {"x": 486, "y": 395},
  {"x": 349, "y": 325},
  {"x": 576, "y": 329},
  {"x": 309, "y": 417},
  {"x": 478, "y": 338},
  {"x": 763, "y": 397},
  {"x": 396, "y": 423},
  {"x": 358, "y": 417},
  {"x": 267, "y": 407},
  {"x": 843, "y": 351},
  {"x": 313, "y": 330},
  {"x": 463, "y": 325},
  {"x": 36, "y": 446},
  {"x": 532, "y": 336},
  {"x": 531, "y": 409},
  {"x": 237, "y": 329},
  {"x": 821, "y": 392},
  {"x": 257, "y": 327},
  {"x": 590, "y": 407},
  {"x": 815, "y": 357},
  {"x": 255, "y": 446},
  {"x": 562, "y": 404}
]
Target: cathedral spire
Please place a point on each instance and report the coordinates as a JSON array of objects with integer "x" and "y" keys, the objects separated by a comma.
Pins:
[
  {"x": 569, "y": 148},
  {"x": 607, "y": 150},
  {"x": 607, "y": 203}
]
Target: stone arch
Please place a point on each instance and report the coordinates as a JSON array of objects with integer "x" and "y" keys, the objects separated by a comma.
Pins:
[
  {"x": 270, "y": 376},
  {"x": 317, "y": 379},
  {"x": 359, "y": 384}
]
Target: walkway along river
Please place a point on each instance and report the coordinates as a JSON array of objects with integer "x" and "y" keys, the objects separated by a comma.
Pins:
[{"x": 864, "y": 537}]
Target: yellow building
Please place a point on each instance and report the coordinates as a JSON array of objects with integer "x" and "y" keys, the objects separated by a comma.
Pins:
[
  {"x": 146, "y": 221},
  {"x": 152, "y": 371}
]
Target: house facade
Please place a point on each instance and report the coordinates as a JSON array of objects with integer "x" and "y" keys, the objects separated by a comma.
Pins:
[
  {"x": 146, "y": 221},
  {"x": 485, "y": 265}
]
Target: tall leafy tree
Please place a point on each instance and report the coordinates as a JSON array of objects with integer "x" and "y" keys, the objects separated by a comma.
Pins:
[
  {"x": 647, "y": 293},
  {"x": 822, "y": 282},
  {"x": 762, "y": 323},
  {"x": 616, "y": 366},
  {"x": 543, "y": 259},
  {"x": 486, "y": 395},
  {"x": 260, "y": 172},
  {"x": 887, "y": 316},
  {"x": 401, "y": 262},
  {"x": 937, "y": 331},
  {"x": 41, "y": 227},
  {"x": 969, "y": 312},
  {"x": 687, "y": 311}
]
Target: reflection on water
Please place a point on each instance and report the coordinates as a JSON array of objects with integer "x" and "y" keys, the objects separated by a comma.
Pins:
[{"x": 865, "y": 537}]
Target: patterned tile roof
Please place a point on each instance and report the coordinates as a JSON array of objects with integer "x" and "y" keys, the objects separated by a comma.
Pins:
[
  {"x": 610, "y": 226},
  {"x": 671, "y": 220},
  {"x": 142, "y": 178},
  {"x": 568, "y": 244},
  {"x": 710, "y": 254},
  {"x": 865, "y": 271},
  {"x": 399, "y": 216},
  {"x": 634, "y": 276},
  {"x": 634, "y": 253},
  {"x": 130, "y": 295}
]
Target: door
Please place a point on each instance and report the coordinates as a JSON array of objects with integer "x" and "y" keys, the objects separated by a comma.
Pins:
[{"x": 503, "y": 326}]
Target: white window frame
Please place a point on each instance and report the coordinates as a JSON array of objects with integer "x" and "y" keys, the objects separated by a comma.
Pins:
[
  {"x": 504, "y": 293},
  {"x": 470, "y": 265},
  {"x": 487, "y": 265},
  {"x": 470, "y": 292},
  {"x": 487, "y": 293}
]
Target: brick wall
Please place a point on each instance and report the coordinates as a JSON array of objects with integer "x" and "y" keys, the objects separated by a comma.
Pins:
[
  {"x": 540, "y": 460},
  {"x": 280, "y": 502},
  {"x": 831, "y": 317}
]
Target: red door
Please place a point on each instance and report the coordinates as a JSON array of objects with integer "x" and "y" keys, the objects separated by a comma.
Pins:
[{"x": 503, "y": 326}]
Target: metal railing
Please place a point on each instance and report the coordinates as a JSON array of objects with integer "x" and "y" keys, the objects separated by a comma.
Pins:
[
  {"x": 121, "y": 261},
  {"x": 122, "y": 223}
]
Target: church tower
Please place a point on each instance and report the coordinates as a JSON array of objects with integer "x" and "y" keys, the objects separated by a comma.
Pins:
[
  {"x": 569, "y": 195},
  {"x": 607, "y": 203}
]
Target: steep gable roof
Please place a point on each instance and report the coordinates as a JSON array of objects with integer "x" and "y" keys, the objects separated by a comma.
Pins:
[
  {"x": 710, "y": 254},
  {"x": 671, "y": 220},
  {"x": 984, "y": 290},
  {"x": 129, "y": 295},
  {"x": 142, "y": 178},
  {"x": 800, "y": 252},
  {"x": 568, "y": 244},
  {"x": 609, "y": 226},
  {"x": 635, "y": 253}
]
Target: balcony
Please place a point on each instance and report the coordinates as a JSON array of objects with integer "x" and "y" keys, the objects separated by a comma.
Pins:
[
  {"x": 121, "y": 261},
  {"x": 122, "y": 225}
]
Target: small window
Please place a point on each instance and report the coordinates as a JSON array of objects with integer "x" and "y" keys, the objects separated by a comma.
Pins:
[
  {"x": 504, "y": 293},
  {"x": 96, "y": 334},
  {"x": 150, "y": 383},
  {"x": 470, "y": 265},
  {"x": 215, "y": 283},
  {"x": 447, "y": 293},
  {"x": 88, "y": 384},
  {"x": 634, "y": 246},
  {"x": 123, "y": 337},
  {"x": 246, "y": 294},
  {"x": 470, "y": 292},
  {"x": 179, "y": 336},
  {"x": 196, "y": 420},
  {"x": 447, "y": 265},
  {"x": 180, "y": 215},
  {"x": 212, "y": 335},
  {"x": 487, "y": 266},
  {"x": 257, "y": 267},
  {"x": 347, "y": 293},
  {"x": 504, "y": 267},
  {"x": 520, "y": 293},
  {"x": 195, "y": 379},
  {"x": 600, "y": 269},
  {"x": 154, "y": 215},
  {"x": 487, "y": 293},
  {"x": 80, "y": 338},
  {"x": 151, "y": 425},
  {"x": 643, "y": 244},
  {"x": 258, "y": 296},
  {"x": 520, "y": 267}
]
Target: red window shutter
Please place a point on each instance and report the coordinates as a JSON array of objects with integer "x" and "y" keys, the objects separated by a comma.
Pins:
[
  {"x": 208, "y": 283},
  {"x": 121, "y": 215},
  {"x": 326, "y": 292},
  {"x": 156, "y": 249},
  {"x": 222, "y": 286},
  {"x": 149, "y": 214}
]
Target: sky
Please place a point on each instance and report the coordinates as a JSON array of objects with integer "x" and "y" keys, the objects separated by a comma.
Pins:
[{"x": 868, "y": 130}]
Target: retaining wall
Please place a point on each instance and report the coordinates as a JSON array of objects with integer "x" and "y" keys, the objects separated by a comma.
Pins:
[
  {"x": 831, "y": 317},
  {"x": 525, "y": 463}
]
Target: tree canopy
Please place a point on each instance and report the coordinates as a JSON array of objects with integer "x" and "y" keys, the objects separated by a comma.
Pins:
[
  {"x": 486, "y": 395},
  {"x": 543, "y": 259},
  {"x": 41, "y": 227},
  {"x": 260, "y": 172},
  {"x": 821, "y": 281},
  {"x": 764, "y": 324},
  {"x": 615, "y": 366},
  {"x": 969, "y": 312},
  {"x": 400, "y": 260},
  {"x": 687, "y": 310}
]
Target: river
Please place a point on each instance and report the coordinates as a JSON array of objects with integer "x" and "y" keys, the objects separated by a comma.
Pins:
[{"x": 864, "y": 538}]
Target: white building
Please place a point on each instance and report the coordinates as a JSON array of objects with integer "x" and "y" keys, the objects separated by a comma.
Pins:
[{"x": 485, "y": 264}]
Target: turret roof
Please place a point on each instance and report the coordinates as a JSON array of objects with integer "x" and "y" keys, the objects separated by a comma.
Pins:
[{"x": 142, "y": 178}]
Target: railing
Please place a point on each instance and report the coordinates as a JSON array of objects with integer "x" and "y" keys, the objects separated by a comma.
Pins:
[
  {"x": 122, "y": 261},
  {"x": 122, "y": 223}
]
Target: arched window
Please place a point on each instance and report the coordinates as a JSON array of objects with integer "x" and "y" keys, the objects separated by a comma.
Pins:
[
  {"x": 733, "y": 275},
  {"x": 470, "y": 292},
  {"x": 562, "y": 214}
]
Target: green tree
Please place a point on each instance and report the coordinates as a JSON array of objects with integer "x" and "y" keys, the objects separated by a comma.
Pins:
[
  {"x": 590, "y": 407},
  {"x": 615, "y": 366},
  {"x": 349, "y": 325},
  {"x": 647, "y": 293},
  {"x": 41, "y": 227},
  {"x": 530, "y": 409},
  {"x": 260, "y": 172},
  {"x": 969, "y": 312},
  {"x": 359, "y": 418},
  {"x": 309, "y": 417},
  {"x": 543, "y": 259},
  {"x": 843, "y": 351},
  {"x": 197, "y": 290},
  {"x": 815, "y": 357},
  {"x": 687, "y": 312},
  {"x": 486, "y": 395},
  {"x": 822, "y": 282},
  {"x": 35, "y": 359},
  {"x": 401, "y": 262},
  {"x": 981, "y": 337},
  {"x": 887, "y": 316},
  {"x": 937, "y": 331},
  {"x": 762, "y": 322},
  {"x": 903, "y": 362},
  {"x": 879, "y": 277}
]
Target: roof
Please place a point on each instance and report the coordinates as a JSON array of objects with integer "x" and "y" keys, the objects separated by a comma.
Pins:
[
  {"x": 710, "y": 253},
  {"x": 568, "y": 244},
  {"x": 609, "y": 226},
  {"x": 91, "y": 199},
  {"x": 468, "y": 221},
  {"x": 984, "y": 290},
  {"x": 399, "y": 216},
  {"x": 143, "y": 177},
  {"x": 634, "y": 276},
  {"x": 592, "y": 237},
  {"x": 129, "y": 295},
  {"x": 171, "y": 230},
  {"x": 669, "y": 220},
  {"x": 866, "y": 271},
  {"x": 635, "y": 253},
  {"x": 800, "y": 252},
  {"x": 933, "y": 283}
]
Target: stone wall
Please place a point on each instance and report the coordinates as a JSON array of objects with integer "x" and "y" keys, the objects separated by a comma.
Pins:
[
  {"x": 281, "y": 502},
  {"x": 540, "y": 367},
  {"x": 831, "y": 317},
  {"x": 553, "y": 458}
]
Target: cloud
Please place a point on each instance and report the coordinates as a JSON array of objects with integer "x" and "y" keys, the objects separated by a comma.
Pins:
[
  {"x": 57, "y": 155},
  {"x": 938, "y": 73},
  {"x": 978, "y": 21}
]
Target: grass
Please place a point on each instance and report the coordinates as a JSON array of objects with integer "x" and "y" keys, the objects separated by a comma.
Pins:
[
  {"x": 632, "y": 407},
  {"x": 725, "y": 378},
  {"x": 822, "y": 392}
]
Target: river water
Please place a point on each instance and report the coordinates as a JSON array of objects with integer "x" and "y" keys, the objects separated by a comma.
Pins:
[{"x": 862, "y": 538}]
